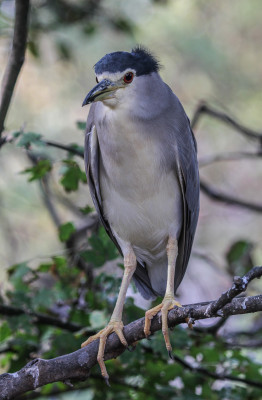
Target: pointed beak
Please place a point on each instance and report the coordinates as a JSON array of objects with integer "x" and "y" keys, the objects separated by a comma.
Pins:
[{"x": 103, "y": 90}]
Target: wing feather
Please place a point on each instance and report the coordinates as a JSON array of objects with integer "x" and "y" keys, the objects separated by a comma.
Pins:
[
  {"x": 92, "y": 156},
  {"x": 187, "y": 172}
]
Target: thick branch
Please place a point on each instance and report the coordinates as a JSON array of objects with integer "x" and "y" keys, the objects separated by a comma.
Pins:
[
  {"x": 16, "y": 58},
  {"x": 77, "y": 365}
]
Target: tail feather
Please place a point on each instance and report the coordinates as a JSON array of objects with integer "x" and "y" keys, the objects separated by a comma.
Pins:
[{"x": 143, "y": 284}]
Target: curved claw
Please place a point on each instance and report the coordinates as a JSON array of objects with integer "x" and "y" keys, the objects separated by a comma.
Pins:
[
  {"x": 166, "y": 305},
  {"x": 107, "y": 381},
  {"x": 113, "y": 326}
]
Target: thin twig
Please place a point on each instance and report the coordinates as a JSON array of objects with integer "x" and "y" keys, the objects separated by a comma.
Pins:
[
  {"x": 239, "y": 286},
  {"x": 204, "y": 108},
  {"x": 230, "y": 156},
  {"x": 39, "y": 318},
  {"x": 16, "y": 58},
  {"x": 69, "y": 148},
  {"x": 225, "y": 198},
  {"x": 203, "y": 371},
  {"x": 214, "y": 375}
]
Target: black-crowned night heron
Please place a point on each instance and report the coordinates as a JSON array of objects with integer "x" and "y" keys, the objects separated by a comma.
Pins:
[{"x": 141, "y": 164}]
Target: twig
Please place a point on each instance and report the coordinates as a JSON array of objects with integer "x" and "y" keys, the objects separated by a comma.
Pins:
[
  {"x": 16, "y": 58},
  {"x": 77, "y": 365},
  {"x": 230, "y": 156},
  {"x": 239, "y": 286},
  {"x": 69, "y": 148},
  {"x": 39, "y": 318},
  {"x": 213, "y": 375},
  {"x": 204, "y": 108},
  {"x": 213, "y": 329},
  {"x": 225, "y": 198},
  {"x": 206, "y": 372}
]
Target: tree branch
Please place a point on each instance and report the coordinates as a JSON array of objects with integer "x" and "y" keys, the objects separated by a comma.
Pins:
[
  {"x": 229, "y": 156},
  {"x": 78, "y": 364},
  {"x": 16, "y": 58},
  {"x": 204, "y": 108},
  {"x": 39, "y": 318},
  {"x": 214, "y": 375},
  {"x": 60, "y": 146},
  {"x": 226, "y": 198}
]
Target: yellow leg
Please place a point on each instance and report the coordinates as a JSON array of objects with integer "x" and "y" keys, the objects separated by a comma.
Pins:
[
  {"x": 169, "y": 301},
  {"x": 115, "y": 324}
]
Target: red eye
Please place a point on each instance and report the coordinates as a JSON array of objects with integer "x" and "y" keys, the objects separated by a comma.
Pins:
[
  {"x": 128, "y": 77},
  {"x": 96, "y": 80}
]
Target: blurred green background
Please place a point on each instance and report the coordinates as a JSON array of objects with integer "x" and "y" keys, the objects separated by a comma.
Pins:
[{"x": 209, "y": 50}]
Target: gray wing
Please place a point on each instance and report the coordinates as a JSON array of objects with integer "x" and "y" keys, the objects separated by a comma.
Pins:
[
  {"x": 186, "y": 167},
  {"x": 92, "y": 158}
]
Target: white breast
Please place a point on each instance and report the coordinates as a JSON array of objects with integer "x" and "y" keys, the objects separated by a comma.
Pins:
[{"x": 141, "y": 200}]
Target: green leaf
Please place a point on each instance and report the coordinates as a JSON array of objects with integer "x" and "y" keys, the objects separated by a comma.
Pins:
[
  {"x": 90, "y": 256},
  {"x": 39, "y": 170},
  {"x": 64, "y": 50},
  {"x": 76, "y": 147},
  {"x": 5, "y": 331},
  {"x": 5, "y": 359},
  {"x": 16, "y": 134},
  {"x": 72, "y": 176},
  {"x": 59, "y": 261},
  {"x": 239, "y": 257},
  {"x": 81, "y": 125},
  {"x": 33, "y": 48},
  {"x": 18, "y": 271},
  {"x": 65, "y": 231},
  {"x": 86, "y": 210},
  {"x": 30, "y": 138},
  {"x": 102, "y": 249},
  {"x": 98, "y": 319},
  {"x": 45, "y": 267}
]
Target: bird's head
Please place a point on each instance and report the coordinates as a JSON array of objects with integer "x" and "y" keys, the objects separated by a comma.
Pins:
[{"x": 117, "y": 75}]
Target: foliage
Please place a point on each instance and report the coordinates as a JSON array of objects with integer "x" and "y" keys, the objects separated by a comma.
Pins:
[
  {"x": 39, "y": 170},
  {"x": 75, "y": 287},
  {"x": 72, "y": 175},
  {"x": 59, "y": 288}
]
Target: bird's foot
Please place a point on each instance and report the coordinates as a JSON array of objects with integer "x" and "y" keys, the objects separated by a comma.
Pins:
[
  {"x": 113, "y": 326},
  {"x": 167, "y": 304}
]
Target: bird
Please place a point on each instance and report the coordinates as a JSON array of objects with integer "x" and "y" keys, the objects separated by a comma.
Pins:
[{"x": 142, "y": 170}]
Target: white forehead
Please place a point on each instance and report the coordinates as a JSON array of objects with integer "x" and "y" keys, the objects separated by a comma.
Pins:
[{"x": 114, "y": 76}]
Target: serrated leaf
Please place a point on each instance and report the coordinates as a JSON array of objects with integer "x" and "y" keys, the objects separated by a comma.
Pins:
[
  {"x": 30, "y": 138},
  {"x": 39, "y": 170},
  {"x": 65, "y": 231},
  {"x": 72, "y": 176},
  {"x": 91, "y": 256}
]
